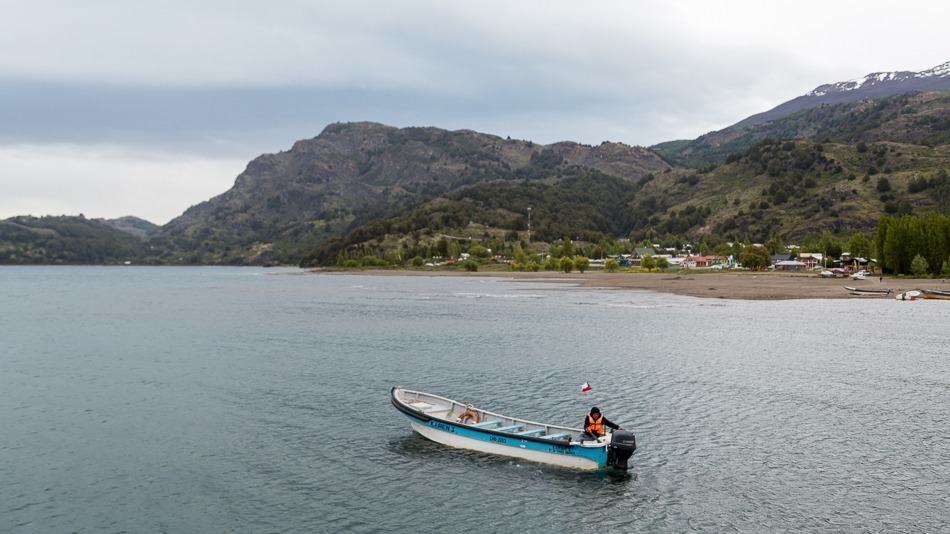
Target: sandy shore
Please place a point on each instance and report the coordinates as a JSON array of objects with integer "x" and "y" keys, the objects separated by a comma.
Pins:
[{"x": 744, "y": 285}]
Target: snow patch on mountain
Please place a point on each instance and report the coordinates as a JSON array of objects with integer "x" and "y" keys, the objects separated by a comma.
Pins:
[{"x": 940, "y": 71}]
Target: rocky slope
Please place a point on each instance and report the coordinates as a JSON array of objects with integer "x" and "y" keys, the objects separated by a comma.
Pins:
[{"x": 286, "y": 204}]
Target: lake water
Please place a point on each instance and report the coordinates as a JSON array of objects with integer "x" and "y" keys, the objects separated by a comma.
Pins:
[{"x": 256, "y": 400}]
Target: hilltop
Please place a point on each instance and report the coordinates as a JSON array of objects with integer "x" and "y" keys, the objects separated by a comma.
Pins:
[
  {"x": 67, "y": 240},
  {"x": 828, "y": 110},
  {"x": 285, "y": 205}
]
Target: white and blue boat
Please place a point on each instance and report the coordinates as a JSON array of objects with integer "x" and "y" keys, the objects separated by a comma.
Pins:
[{"x": 440, "y": 419}]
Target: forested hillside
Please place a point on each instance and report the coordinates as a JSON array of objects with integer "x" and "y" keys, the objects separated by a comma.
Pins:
[{"x": 66, "y": 240}]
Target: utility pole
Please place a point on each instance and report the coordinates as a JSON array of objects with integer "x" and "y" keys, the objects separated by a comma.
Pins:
[{"x": 529, "y": 225}]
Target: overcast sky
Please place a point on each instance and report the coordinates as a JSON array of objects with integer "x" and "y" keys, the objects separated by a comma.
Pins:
[{"x": 145, "y": 108}]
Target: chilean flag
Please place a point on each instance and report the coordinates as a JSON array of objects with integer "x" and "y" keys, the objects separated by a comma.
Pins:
[{"x": 585, "y": 387}]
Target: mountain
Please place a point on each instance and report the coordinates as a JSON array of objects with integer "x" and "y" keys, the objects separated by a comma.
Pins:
[
  {"x": 874, "y": 85},
  {"x": 922, "y": 118},
  {"x": 66, "y": 240},
  {"x": 853, "y": 153},
  {"x": 793, "y": 188},
  {"x": 841, "y": 97},
  {"x": 133, "y": 225},
  {"x": 285, "y": 205}
]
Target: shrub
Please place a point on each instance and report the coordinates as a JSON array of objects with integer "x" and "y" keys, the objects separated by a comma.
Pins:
[
  {"x": 648, "y": 263},
  {"x": 883, "y": 185},
  {"x": 581, "y": 263},
  {"x": 479, "y": 251},
  {"x": 516, "y": 266},
  {"x": 418, "y": 261},
  {"x": 373, "y": 261},
  {"x": 551, "y": 264},
  {"x": 662, "y": 263},
  {"x": 533, "y": 266},
  {"x": 567, "y": 264},
  {"x": 351, "y": 264},
  {"x": 470, "y": 265},
  {"x": 919, "y": 265},
  {"x": 611, "y": 265},
  {"x": 945, "y": 270}
]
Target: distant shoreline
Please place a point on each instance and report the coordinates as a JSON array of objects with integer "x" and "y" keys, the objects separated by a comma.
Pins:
[{"x": 724, "y": 285}]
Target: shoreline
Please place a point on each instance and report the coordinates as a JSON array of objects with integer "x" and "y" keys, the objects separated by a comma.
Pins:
[{"x": 722, "y": 285}]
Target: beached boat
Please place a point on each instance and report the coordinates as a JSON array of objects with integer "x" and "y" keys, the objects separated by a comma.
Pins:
[
  {"x": 936, "y": 294},
  {"x": 868, "y": 292},
  {"x": 437, "y": 418},
  {"x": 913, "y": 294}
]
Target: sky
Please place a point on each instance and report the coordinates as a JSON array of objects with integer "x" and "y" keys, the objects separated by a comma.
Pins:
[{"x": 146, "y": 108}]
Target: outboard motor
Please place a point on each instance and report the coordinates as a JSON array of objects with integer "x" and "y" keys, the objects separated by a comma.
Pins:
[{"x": 621, "y": 447}]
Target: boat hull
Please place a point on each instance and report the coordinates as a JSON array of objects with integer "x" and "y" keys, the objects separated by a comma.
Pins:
[
  {"x": 463, "y": 438},
  {"x": 572, "y": 454},
  {"x": 938, "y": 295}
]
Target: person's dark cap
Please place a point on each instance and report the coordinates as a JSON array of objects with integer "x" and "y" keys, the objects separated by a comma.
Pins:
[{"x": 595, "y": 410}]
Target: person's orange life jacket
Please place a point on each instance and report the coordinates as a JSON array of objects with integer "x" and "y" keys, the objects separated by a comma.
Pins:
[{"x": 595, "y": 427}]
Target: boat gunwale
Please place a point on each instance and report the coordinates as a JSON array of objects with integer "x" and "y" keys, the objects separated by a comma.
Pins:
[
  {"x": 405, "y": 408},
  {"x": 881, "y": 291}
]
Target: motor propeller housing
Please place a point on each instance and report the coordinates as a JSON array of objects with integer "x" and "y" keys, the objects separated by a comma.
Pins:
[{"x": 622, "y": 446}]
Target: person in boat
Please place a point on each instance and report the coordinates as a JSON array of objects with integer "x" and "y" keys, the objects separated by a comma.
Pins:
[
  {"x": 595, "y": 424},
  {"x": 469, "y": 416}
]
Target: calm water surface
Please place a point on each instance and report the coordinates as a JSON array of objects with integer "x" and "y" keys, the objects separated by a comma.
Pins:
[{"x": 236, "y": 399}]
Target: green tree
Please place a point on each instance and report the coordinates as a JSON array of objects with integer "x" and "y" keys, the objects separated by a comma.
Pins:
[
  {"x": 829, "y": 245},
  {"x": 470, "y": 265},
  {"x": 755, "y": 258},
  {"x": 581, "y": 263},
  {"x": 418, "y": 261},
  {"x": 648, "y": 263},
  {"x": 704, "y": 247},
  {"x": 611, "y": 265},
  {"x": 567, "y": 264},
  {"x": 453, "y": 249},
  {"x": 567, "y": 249},
  {"x": 776, "y": 245},
  {"x": 945, "y": 270},
  {"x": 519, "y": 254},
  {"x": 662, "y": 264},
  {"x": 919, "y": 265},
  {"x": 859, "y": 245},
  {"x": 479, "y": 251}
]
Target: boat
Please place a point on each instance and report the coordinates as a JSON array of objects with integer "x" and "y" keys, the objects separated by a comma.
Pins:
[
  {"x": 858, "y": 276},
  {"x": 826, "y": 274},
  {"x": 913, "y": 294},
  {"x": 936, "y": 294},
  {"x": 868, "y": 292},
  {"x": 437, "y": 418}
]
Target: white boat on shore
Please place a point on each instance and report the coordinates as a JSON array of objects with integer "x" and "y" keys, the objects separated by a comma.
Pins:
[
  {"x": 913, "y": 294},
  {"x": 438, "y": 419}
]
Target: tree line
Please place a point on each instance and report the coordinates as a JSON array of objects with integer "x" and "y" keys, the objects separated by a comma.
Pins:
[{"x": 914, "y": 244}]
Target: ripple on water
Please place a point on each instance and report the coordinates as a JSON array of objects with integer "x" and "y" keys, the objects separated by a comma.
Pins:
[{"x": 201, "y": 400}]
